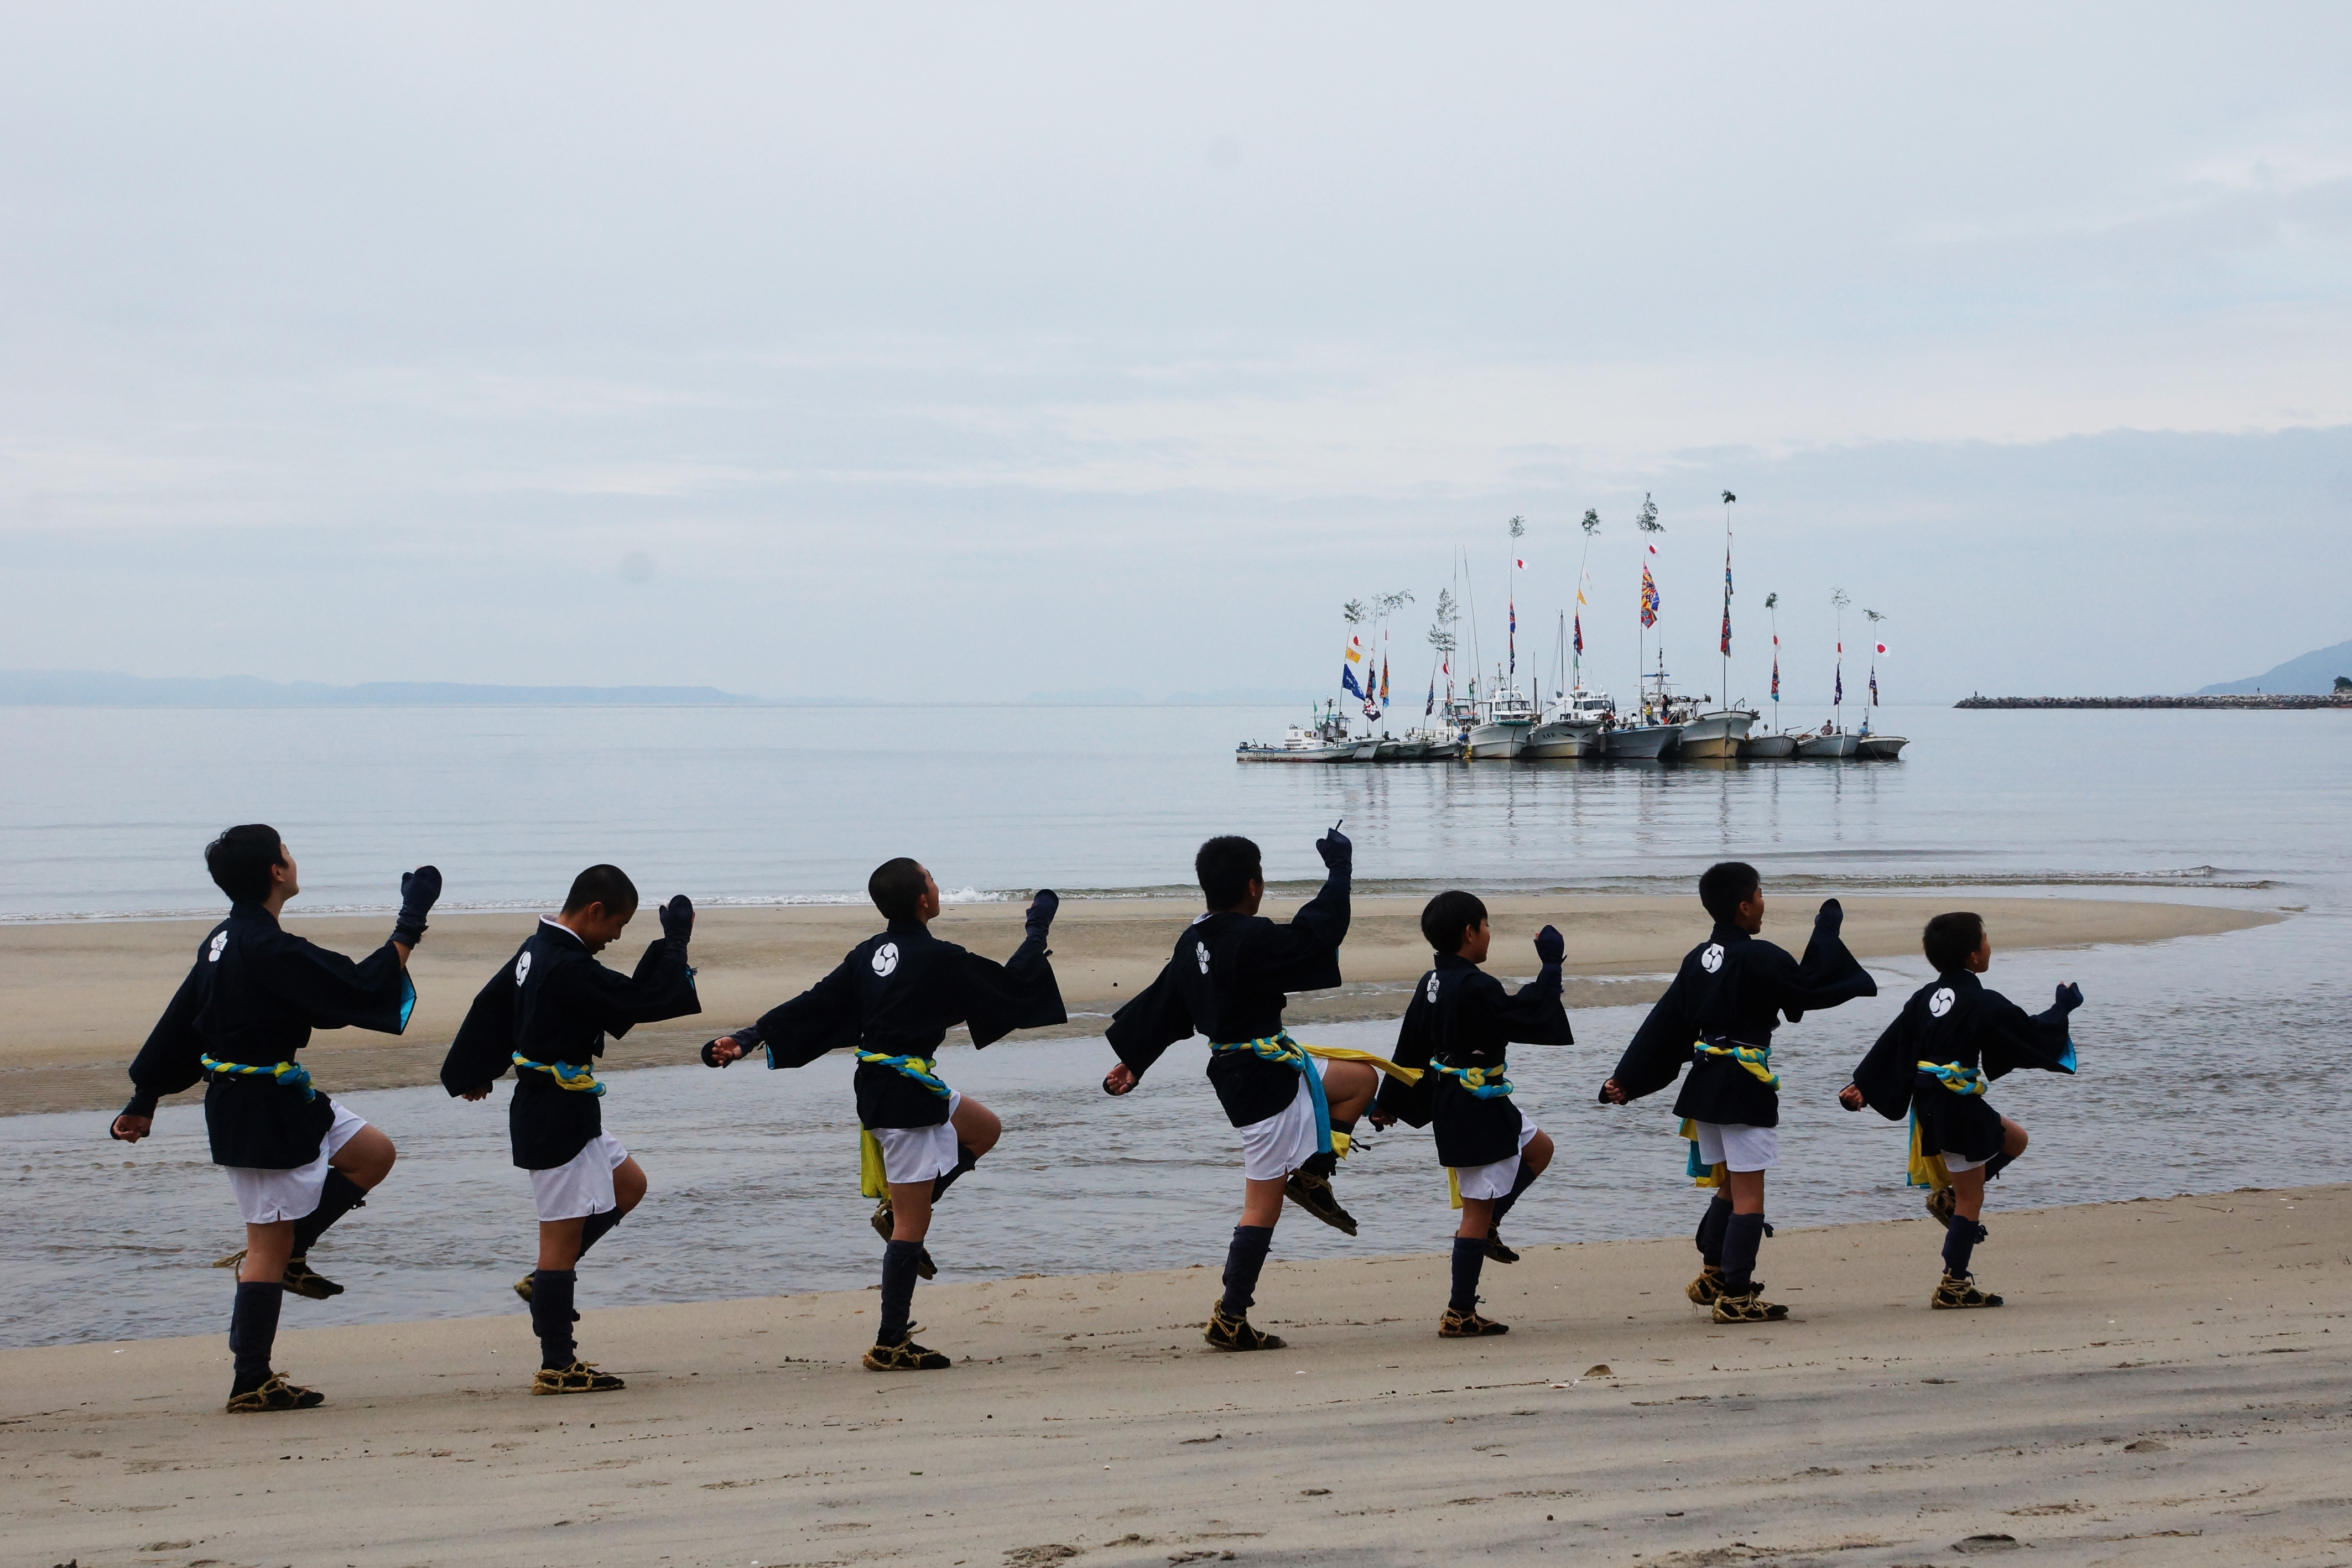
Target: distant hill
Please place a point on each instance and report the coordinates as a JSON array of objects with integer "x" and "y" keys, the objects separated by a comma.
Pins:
[
  {"x": 1128, "y": 697},
  {"x": 2312, "y": 673},
  {"x": 93, "y": 689}
]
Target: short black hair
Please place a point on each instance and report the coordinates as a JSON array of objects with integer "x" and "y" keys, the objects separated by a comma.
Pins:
[
  {"x": 1226, "y": 865},
  {"x": 1727, "y": 885},
  {"x": 606, "y": 884},
  {"x": 1951, "y": 939},
  {"x": 240, "y": 860},
  {"x": 897, "y": 888},
  {"x": 1444, "y": 918}
]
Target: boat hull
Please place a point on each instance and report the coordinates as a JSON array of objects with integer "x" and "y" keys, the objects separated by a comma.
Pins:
[
  {"x": 1884, "y": 747},
  {"x": 1644, "y": 743},
  {"x": 1498, "y": 742},
  {"x": 1715, "y": 735},
  {"x": 1829, "y": 747},
  {"x": 1768, "y": 748},
  {"x": 1562, "y": 740},
  {"x": 1303, "y": 754}
]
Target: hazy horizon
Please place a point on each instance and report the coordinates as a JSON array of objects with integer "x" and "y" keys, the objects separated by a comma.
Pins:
[{"x": 982, "y": 353}]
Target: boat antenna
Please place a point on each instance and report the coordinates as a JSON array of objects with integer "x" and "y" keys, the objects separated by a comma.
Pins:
[{"x": 1725, "y": 696}]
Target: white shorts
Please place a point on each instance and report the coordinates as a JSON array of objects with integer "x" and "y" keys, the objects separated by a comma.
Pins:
[
  {"x": 267, "y": 1196},
  {"x": 920, "y": 1154},
  {"x": 1278, "y": 1145},
  {"x": 1955, "y": 1165},
  {"x": 1495, "y": 1180},
  {"x": 1737, "y": 1145},
  {"x": 582, "y": 1185}
]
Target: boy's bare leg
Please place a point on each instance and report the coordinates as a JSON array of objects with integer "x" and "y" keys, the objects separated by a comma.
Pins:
[
  {"x": 1348, "y": 1088},
  {"x": 1262, "y": 1201},
  {"x": 1747, "y": 1191},
  {"x": 267, "y": 1247},
  {"x": 365, "y": 1158},
  {"x": 559, "y": 1242},
  {"x": 977, "y": 1127},
  {"x": 1477, "y": 1219},
  {"x": 910, "y": 1209}
]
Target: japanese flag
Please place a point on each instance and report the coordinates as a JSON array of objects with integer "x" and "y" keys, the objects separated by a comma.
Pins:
[{"x": 1882, "y": 650}]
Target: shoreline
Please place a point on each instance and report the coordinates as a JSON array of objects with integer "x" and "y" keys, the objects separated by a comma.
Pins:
[
  {"x": 2168, "y": 1373},
  {"x": 81, "y": 996}
]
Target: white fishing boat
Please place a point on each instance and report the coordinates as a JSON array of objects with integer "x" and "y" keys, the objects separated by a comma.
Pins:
[
  {"x": 1570, "y": 726},
  {"x": 1880, "y": 747},
  {"x": 1768, "y": 748},
  {"x": 1876, "y": 747},
  {"x": 1637, "y": 742},
  {"x": 1504, "y": 723},
  {"x": 1323, "y": 738},
  {"x": 1718, "y": 734},
  {"x": 1829, "y": 744}
]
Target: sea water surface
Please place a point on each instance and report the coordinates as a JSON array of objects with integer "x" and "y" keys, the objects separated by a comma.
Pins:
[{"x": 2208, "y": 1063}]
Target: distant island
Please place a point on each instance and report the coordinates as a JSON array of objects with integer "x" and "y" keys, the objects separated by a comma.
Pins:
[
  {"x": 95, "y": 688},
  {"x": 2322, "y": 679},
  {"x": 2319, "y": 673}
]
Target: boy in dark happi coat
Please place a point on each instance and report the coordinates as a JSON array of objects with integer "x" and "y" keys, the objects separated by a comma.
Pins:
[
  {"x": 893, "y": 1000},
  {"x": 1457, "y": 1029},
  {"x": 1228, "y": 979},
  {"x": 546, "y": 1013},
  {"x": 1933, "y": 1062},
  {"x": 1718, "y": 1016},
  {"x": 297, "y": 1160}
]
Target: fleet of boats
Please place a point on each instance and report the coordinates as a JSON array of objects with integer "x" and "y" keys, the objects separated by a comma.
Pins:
[{"x": 1575, "y": 723}]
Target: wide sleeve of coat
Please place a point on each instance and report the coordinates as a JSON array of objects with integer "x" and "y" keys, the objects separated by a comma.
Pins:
[
  {"x": 330, "y": 991},
  {"x": 1303, "y": 954},
  {"x": 170, "y": 1060},
  {"x": 485, "y": 1044},
  {"x": 1020, "y": 993},
  {"x": 2008, "y": 1037},
  {"x": 1660, "y": 1048},
  {"x": 1886, "y": 1075},
  {"x": 822, "y": 1017},
  {"x": 1416, "y": 1043},
  {"x": 1151, "y": 1021},
  {"x": 661, "y": 987},
  {"x": 1827, "y": 975},
  {"x": 1534, "y": 1014}
]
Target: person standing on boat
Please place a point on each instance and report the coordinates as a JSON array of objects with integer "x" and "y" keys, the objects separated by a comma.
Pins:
[
  {"x": 1456, "y": 1030},
  {"x": 893, "y": 1000},
  {"x": 297, "y": 1161},
  {"x": 1229, "y": 978},
  {"x": 1717, "y": 1017}
]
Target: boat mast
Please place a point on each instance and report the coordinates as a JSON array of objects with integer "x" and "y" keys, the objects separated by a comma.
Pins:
[
  {"x": 1723, "y": 697},
  {"x": 1646, "y": 520},
  {"x": 1590, "y": 524},
  {"x": 1837, "y": 692},
  {"x": 1772, "y": 607}
]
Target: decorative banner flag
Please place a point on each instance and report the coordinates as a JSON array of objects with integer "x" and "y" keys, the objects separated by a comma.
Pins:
[
  {"x": 1431, "y": 706},
  {"x": 1839, "y": 696},
  {"x": 1514, "y": 639},
  {"x": 1354, "y": 650},
  {"x": 1580, "y": 627},
  {"x": 1520, "y": 564},
  {"x": 1649, "y": 596},
  {"x": 1727, "y": 626},
  {"x": 1873, "y": 685},
  {"x": 1776, "y": 672},
  {"x": 1384, "y": 677},
  {"x": 1348, "y": 681}
]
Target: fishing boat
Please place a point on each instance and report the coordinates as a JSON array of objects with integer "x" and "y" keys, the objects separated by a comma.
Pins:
[
  {"x": 1776, "y": 746},
  {"x": 1323, "y": 738},
  {"x": 1637, "y": 742},
  {"x": 1877, "y": 748},
  {"x": 1570, "y": 726},
  {"x": 1834, "y": 741},
  {"x": 1504, "y": 723},
  {"x": 1718, "y": 734}
]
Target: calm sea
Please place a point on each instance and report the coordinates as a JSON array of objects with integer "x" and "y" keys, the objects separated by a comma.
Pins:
[{"x": 2230, "y": 1044}]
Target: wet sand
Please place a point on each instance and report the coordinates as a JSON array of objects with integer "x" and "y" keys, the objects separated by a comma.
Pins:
[
  {"x": 2165, "y": 1385},
  {"x": 80, "y": 996}
]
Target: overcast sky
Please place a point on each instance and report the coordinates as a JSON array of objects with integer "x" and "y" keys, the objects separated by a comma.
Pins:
[{"x": 982, "y": 350}]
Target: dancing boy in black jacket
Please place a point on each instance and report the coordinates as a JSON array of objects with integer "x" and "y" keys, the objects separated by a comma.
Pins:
[
  {"x": 1228, "y": 979},
  {"x": 1933, "y": 1060},
  {"x": 893, "y": 1000},
  {"x": 546, "y": 1013},
  {"x": 297, "y": 1161},
  {"x": 1457, "y": 1029},
  {"x": 1718, "y": 1016}
]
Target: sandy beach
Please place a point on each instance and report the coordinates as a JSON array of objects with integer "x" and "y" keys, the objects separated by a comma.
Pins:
[
  {"x": 2165, "y": 1385},
  {"x": 80, "y": 996}
]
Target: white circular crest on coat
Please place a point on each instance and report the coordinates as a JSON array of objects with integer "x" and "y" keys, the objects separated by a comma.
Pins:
[
  {"x": 220, "y": 940},
  {"x": 886, "y": 959},
  {"x": 1941, "y": 1002},
  {"x": 1202, "y": 948},
  {"x": 1712, "y": 959},
  {"x": 1432, "y": 987},
  {"x": 522, "y": 968}
]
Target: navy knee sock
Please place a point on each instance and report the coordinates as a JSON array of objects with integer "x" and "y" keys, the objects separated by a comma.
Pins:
[
  {"x": 552, "y": 1292},
  {"x": 337, "y": 1198},
  {"x": 965, "y": 1160},
  {"x": 595, "y": 1226},
  {"x": 1469, "y": 1256},
  {"x": 1998, "y": 1164},
  {"x": 898, "y": 1263},
  {"x": 1519, "y": 1184},
  {"x": 1960, "y": 1243},
  {"x": 253, "y": 1328},
  {"x": 1244, "y": 1259},
  {"x": 1743, "y": 1234},
  {"x": 1711, "y": 1227}
]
